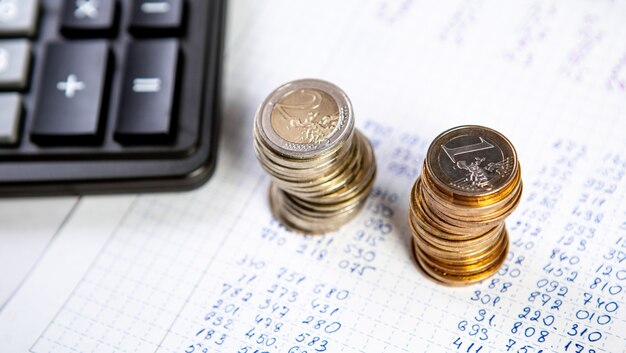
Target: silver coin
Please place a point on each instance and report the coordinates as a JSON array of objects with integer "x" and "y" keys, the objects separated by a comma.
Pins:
[{"x": 304, "y": 119}]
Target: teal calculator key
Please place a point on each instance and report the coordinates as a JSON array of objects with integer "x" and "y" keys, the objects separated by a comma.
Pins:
[
  {"x": 10, "y": 117},
  {"x": 18, "y": 18},
  {"x": 14, "y": 64}
]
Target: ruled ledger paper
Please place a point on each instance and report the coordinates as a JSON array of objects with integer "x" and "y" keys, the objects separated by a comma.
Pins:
[{"x": 212, "y": 271}]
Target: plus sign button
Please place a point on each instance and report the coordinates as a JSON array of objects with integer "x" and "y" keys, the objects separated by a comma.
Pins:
[{"x": 71, "y": 97}]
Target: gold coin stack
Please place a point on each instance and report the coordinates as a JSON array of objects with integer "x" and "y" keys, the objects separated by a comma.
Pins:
[
  {"x": 470, "y": 182},
  {"x": 322, "y": 168}
]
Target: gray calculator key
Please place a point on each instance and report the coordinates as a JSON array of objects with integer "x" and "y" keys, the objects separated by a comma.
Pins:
[
  {"x": 14, "y": 64},
  {"x": 82, "y": 17},
  {"x": 71, "y": 97},
  {"x": 18, "y": 17},
  {"x": 10, "y": 116}
]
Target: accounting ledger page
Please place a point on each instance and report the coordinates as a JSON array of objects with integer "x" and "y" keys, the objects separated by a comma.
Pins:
[{"x": 212, "y": 271}]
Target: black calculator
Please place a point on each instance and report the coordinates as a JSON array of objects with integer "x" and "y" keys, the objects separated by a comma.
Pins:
[{"x": 102, "y": 96}]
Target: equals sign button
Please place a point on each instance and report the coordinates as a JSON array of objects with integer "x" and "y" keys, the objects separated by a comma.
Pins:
[{"x": 146, "y": 85}]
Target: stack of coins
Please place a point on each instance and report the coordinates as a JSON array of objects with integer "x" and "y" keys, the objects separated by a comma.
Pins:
[
  {"x": 470, "y": 183},
  {"x": 322, "y": 168}
]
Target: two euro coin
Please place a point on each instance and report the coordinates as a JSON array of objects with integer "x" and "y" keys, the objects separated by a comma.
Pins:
[{"x": 322, "y": 168}]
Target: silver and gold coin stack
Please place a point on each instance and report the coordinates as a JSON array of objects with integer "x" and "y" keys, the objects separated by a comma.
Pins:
[
  {"x": 470, "y": 183},
  {"x": 322, "y": 168}
]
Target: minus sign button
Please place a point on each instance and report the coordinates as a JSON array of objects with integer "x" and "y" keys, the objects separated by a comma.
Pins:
[
  {"x": 154, "y": 7},
  {"x": 157, "y": 18}
]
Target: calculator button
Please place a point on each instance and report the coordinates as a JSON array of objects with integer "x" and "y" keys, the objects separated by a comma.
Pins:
[
  {"x": 18, "y": 17},
  {"x": 88, "y": 17},
  {"x": 10, "y": 116},
  {"x": 148, "y": 92},
  {"x": 14, "y": 64},
  {"x": 154, "y": 17},
  {"x": 70, "y": 99}
]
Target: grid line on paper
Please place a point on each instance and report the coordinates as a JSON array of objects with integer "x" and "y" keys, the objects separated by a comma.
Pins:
[
  {"x": 93, "y": 264},
  {"x": 213, "y": 257},
  {"x": 144, "y": 267}
]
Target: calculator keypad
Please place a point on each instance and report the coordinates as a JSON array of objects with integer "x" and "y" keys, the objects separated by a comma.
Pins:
[{"x": 108, "y": 92}]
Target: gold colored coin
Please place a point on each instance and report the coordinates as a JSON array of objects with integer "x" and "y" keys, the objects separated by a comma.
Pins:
[
  {"x": 472, "y": 161},
  {"x": 305, "y": 116},
  {"x": 470, "y": 182},
  {"x": 459, "y": 280}
]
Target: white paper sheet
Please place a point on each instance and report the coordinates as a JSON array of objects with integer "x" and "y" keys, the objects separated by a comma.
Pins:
[
  {"x": 211, "y": 271},
  {"x": 27, "y": 226}
]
